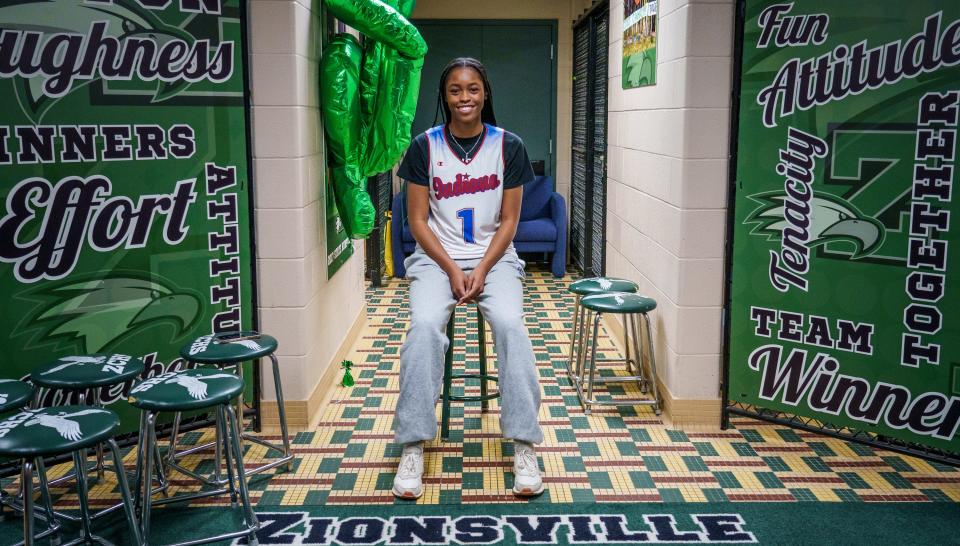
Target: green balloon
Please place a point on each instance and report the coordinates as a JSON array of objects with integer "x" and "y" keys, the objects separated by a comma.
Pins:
[
  {"x": 388, "y": 135},
  {"x": 340, "y": 100},
  {"x": 369, "y": 98},
  {"x": 370, "y": 77},
  {"x": 380, "y": 22},
  {"x": 356, "y": 210}
]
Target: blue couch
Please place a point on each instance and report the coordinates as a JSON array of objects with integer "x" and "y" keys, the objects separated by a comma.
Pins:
[{"x": 542, "y": 227}]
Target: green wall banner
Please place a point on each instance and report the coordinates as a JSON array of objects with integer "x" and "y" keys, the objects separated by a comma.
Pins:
[
  {"x": 124, "y": 195},
  {"x": 339, "y": 244},
  {"x": 842, "y": 305},
  {"x": 639, "y": 43}
]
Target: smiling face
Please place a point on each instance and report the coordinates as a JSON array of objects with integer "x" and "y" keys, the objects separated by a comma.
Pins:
[{"x": 464, "y": 94}]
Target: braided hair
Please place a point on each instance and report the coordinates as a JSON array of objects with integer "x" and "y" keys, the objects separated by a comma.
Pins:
[{"x": 486, "y": 114}]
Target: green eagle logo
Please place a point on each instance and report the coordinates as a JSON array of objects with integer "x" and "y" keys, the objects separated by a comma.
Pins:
[
  {"x": 98, "y": 313},
  {"x": 831, "y": 219}
]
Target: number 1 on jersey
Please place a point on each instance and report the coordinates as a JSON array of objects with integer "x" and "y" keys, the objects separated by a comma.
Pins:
[{"x": 466, "y": 220}]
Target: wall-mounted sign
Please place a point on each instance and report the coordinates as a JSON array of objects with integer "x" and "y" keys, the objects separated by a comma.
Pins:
[
  {"x": 639, "y": 43},
  {"x": 843, "y": 307},
  {"x": 339, "y": 245},
  {"x": 124, "y": 213}
]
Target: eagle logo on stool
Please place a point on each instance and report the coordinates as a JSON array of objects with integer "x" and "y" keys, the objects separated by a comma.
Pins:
[
  {"x": 70, "y": 430},
  {"x": 75, "y": 361},
  {"x": 248, "y": 343},
  {"x": 194, "y": 385}
]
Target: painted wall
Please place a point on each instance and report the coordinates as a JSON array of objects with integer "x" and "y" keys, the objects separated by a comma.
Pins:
[
  {"x": 565, "y": 12},
  {"x": 667, "y": 179},
  {"x": 309, "y": 314}
]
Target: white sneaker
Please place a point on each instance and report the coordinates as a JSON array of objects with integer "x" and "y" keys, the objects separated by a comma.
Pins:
[
  {"x": 526, "y": 471},
  {"x": 408, "y": 482}
]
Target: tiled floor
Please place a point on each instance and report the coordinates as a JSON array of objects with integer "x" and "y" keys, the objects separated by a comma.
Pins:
[{"x": 615, "y": 454}]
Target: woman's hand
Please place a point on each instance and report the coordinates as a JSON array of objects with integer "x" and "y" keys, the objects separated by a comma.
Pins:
[
  {"x": 458, "y": 283},
  {"x": 474, "y": 286}
]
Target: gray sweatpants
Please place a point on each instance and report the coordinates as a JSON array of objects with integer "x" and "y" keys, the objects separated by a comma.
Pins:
[{"x": 421, "y": 358}]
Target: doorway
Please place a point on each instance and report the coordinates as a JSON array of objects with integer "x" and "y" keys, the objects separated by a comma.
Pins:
[{"x": 520, "y": 57}]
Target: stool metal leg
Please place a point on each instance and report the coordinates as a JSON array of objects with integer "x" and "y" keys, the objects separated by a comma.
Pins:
[
  {"x": 26, "y": 481},
  {"x": 250, "y": 518},
  {"x": 573, "y": 336},
  {"x": 125, "y": 491},
  {"x": 637, "y": 368},
  {"x": 281, "y": 412},
  {"x": 239, "y": 401},
  {"x": 447, "y": 382},
  {"x": 174, "y": 434},
  {"x": 286, "y": 460},
  {"x": 482, "y": 337},
  {"x": 26, "y": 478},
  {"x": 79, "y": 464},
  {"x": 99, "y": 447},
  {"x": 52, "y": 525},
  {"x": 149, "y": 437},
  {"x": 217, "y": 454},
  {"x": 593, "y": 361},
  {"x": 653, "y": 364},
  {"x": 227, "y": 451},
  {"x": 585, "y": 318},
  {"x": 627, "y": 346}
]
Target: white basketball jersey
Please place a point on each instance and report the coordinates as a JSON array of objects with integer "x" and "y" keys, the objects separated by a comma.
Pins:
[{"x": 465, "y": 198}]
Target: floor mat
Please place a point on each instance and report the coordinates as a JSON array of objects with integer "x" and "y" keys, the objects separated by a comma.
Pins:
[{"x": 564, "y": 524}]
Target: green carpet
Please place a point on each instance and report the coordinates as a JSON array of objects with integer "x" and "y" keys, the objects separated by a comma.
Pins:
[{"x": 687, "y": 523}]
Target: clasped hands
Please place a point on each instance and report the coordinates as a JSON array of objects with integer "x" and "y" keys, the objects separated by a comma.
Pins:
[{"x": 467, "y": 287}]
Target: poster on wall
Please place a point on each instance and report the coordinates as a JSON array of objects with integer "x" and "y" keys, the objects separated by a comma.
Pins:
[
  {"x": 339, "y": 245},
  {"x": 842, "y": 304},
  {"x": 639, "y": 43},
  {"x": 124, "y": 200}
]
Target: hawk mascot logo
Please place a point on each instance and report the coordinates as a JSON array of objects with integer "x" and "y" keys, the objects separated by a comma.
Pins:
[
  {"x": 831, "y": 219},
  {"x": 98, "y": 313}
]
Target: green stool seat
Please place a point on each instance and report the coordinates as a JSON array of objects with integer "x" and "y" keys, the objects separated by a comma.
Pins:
[
  {"x": 618, "y": 302},
  {"x": 229, "y": 347},
  {"x": 14, "y": 394},
  {"x": 86, "y": 371},
  {"x": 186, "y": 390},
  {"x": 599, "y": 285},
  {"x": 33, "y": 434},
  {"x": 52, "y": 431},
  {"x": 229, "y": 351}
]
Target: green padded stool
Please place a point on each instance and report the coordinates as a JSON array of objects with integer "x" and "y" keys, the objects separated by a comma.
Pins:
[
  {"x": 633, "y": 307},
  {"x": 448, "y": 376},
  {"x": 34, "y": 434},
  {"x": 197, "y": 389},
  {"x": 230, "y": 350},
  {"x": 81, "y": 374},
  {"x": 83, "y": 377},
  {"x": 14, "y": 395},
  {"x": 587, "y": 287}
]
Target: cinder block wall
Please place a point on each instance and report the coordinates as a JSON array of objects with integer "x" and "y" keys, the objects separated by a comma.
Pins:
[
  {"x": 667, "y": 180},
  {"x": 311, "y": 316}
]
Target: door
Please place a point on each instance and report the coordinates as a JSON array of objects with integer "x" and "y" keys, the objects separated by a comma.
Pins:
[{"x": 520, "y": 61}]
